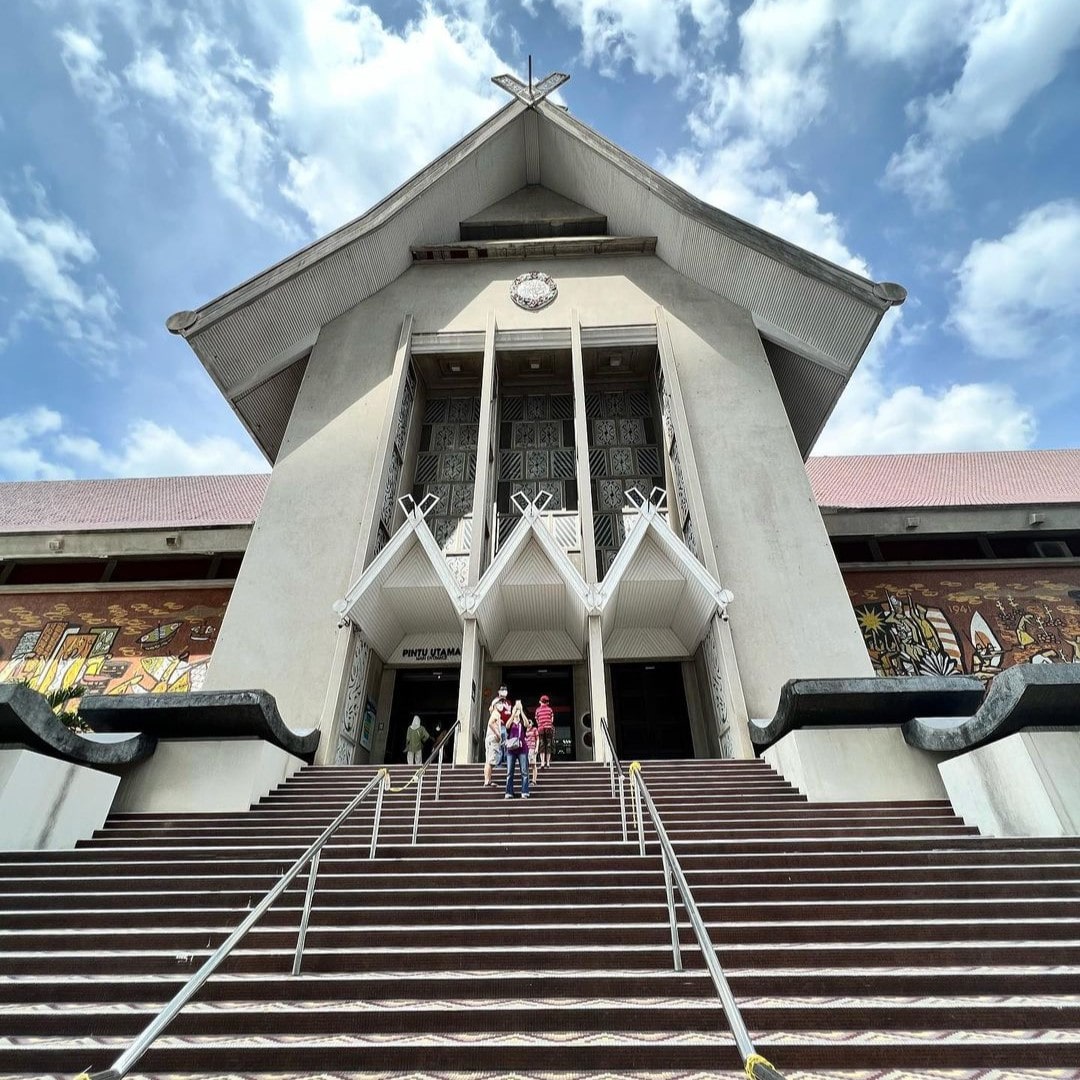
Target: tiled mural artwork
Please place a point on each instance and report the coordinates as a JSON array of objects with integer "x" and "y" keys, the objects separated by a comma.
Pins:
[
  {"x": 623, "y": 454},
  {"x": 948, "y": 622},
  {"x": 392, "y": 479},
  {"x": 536, "y": 453},
  {"x": 111, "y": 642},
  {"x": 446, "y": 467}
]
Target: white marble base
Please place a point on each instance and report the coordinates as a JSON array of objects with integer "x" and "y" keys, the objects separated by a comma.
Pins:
[
  {"x": 1024, "y": 785},
  {"x": 192, "y": 775},
  {"x": 855, "y": 765},
  {"x": 47, "y": 804}
]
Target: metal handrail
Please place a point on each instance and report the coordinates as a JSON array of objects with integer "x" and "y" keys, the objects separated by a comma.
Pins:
[
  {"x": 418, "y": 776},
  {"x": 615, "y": 766},
  {"x": 145, "y": 1039},
  {"x": 755, "y": 1066}
]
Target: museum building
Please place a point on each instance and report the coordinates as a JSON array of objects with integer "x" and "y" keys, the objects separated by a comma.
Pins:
[{"x": 539, "y": 419}]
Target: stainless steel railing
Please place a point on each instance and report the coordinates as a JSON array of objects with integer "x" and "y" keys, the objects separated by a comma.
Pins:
[
  {"x": 418, "y": 776},
  {"x": 146, "y": 1038},
  {"x": 755, "y": 1066},
  {"x": 615, "y": 769}
]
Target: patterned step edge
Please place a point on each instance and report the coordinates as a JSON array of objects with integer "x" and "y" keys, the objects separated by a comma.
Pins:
[
  {"x": 672, "y": 1004},
  {"x": 562, "y": 1038}
]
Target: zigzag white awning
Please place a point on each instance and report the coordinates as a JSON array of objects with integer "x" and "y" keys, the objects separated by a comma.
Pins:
[
  {"x": 656, "y": 600},
  {"x": 407, "y": 590},
  {"x": 531, "y": 605}
]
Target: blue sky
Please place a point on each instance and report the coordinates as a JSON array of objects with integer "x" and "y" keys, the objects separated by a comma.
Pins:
[{"x": 155, "y": 153}]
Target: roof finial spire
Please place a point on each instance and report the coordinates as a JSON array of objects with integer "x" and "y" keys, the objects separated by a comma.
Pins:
[{"x": 531, "y": 94}]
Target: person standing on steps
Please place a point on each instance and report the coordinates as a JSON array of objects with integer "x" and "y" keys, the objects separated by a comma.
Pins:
[
  {"x": 517, "y": 752},
  {"x": 493, "y": 739},
  {"x": 532, "y": 741},
  {"x": 502, "y": 704},
  {"x": 415, "y": 737},
  {"x": 545, "y": 725}
]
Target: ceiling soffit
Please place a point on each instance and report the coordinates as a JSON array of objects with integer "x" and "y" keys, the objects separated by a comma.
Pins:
[{"x": 407, "y": 589}]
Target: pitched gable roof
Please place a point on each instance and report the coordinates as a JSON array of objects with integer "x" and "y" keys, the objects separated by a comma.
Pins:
[{"x": 816, "y": 318}]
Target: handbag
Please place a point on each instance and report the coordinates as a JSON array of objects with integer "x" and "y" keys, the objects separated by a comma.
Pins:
[{"x": 513, "y": 745}]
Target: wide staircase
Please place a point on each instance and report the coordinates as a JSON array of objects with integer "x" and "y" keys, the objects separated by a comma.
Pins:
[{"x": 521, "y": 939}]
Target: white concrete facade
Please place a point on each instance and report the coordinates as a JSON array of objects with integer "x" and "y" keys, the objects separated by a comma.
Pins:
[
  {"x": 50, "y": 805},
  {"x": 1027, "y": 784},
  {"x": 765, "y": 538},
  {"x": 203, "y": 776},
  {"x": 855, "y": 765}
]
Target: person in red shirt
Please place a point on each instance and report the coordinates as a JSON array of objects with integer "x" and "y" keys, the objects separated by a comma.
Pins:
[{"x": 545, "y": 725}]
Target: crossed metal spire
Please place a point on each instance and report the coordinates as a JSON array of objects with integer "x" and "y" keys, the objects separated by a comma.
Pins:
[{"x": 532, "y": 94}]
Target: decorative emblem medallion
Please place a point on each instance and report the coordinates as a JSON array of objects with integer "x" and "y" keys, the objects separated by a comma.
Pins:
[{"x": 533, "y": 291}]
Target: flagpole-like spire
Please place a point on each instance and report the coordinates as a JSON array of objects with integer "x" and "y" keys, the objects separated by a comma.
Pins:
[{"x": 530, "y": 94}]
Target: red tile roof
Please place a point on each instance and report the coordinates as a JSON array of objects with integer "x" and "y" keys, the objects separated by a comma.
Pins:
[
  {"x": 990, "y": 478},
  {"x": 879, "y": 481},
  {"x": 161, "y": 502}
]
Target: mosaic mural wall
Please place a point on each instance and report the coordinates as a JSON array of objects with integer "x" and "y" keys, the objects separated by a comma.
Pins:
[
  {"x": 112, "y": 642},
  {"x": 947, "y": 622},
  {"x": 623, "y": 454}
]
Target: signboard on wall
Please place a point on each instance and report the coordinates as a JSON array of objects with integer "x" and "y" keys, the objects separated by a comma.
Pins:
[
  {"x": 367, "y": 725},
  {"x": 418, "y": 650}
]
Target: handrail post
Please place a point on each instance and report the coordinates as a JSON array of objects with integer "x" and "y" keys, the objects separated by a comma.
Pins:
[
  {"x": 378, "y": 813},
  {"x": 453, "y": 746},
  {"x": 438, "y": 775},
  {"x": 313, "y": 872},
  {"x": 676, "y": 952},
  {"x": 416, "y": 811},
  {"x": 639, "y": 817},
  {"x": 622, "y": 806}
]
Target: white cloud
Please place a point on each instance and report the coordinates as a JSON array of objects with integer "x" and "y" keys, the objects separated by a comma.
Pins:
[
  {"x": 19, "y": 458},
  {"x": 647, "y": 34},
  {"x": 39, "y": 444},
  {"x": 738, "y": 179},
  {"x": 1019, "y": 296},
  {"x": 875, "y": 416},
  {"x": 780, "y": 84},
  {"x": 352, "y": 101},
  {"x": 151, "y": 74},
  {"x": 1014, "y": 49},
  {"x": 51, "y": 255},
  {"x": 84, "y": 61}
]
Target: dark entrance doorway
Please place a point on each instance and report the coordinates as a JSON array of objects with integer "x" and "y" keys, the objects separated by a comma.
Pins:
[
  {"x": 431, "y": 694},
  {"x": 650, "y": 714},
  {"x": 526, "y": 684}
]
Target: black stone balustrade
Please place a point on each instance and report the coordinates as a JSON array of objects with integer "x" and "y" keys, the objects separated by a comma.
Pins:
[
  {"x": 861, "y": 703},
  {"x": 27, "y": 720},
  {"x": 1023, "y": 697},
  {"x": 201, "y": 714}
]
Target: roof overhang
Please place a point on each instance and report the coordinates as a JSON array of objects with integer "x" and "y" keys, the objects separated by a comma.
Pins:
[
  {"x": 406, "y": 593},
  {"x": 531, "y": 604},
  {"x": 815, "y": 318},
  {"x": 656, "y": 601}
]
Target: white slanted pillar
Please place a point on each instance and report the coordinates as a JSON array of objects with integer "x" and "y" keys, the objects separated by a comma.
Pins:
[
  {"x": 692, "y": 523},
  {"x": 471, "y": 711},
  {"x": 594, "y": 658}
]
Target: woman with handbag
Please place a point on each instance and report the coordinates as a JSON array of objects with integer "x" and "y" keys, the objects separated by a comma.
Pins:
[{"x": 517, "y": 751}]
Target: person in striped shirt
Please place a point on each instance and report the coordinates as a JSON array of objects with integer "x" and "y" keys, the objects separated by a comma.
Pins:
[{"x": 545, "y": 725}]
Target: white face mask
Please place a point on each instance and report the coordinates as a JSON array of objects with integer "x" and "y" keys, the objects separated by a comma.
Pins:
[{"x": 416, "y": 721}]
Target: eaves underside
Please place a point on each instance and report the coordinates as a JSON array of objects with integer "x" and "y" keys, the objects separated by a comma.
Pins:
[{"x": 816, "y": 318}]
